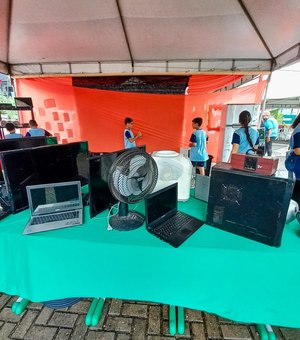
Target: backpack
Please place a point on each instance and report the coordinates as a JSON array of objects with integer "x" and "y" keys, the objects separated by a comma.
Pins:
[{"x": 292, "y": 163}]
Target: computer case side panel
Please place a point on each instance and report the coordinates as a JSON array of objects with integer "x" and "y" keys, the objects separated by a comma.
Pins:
[{"x": 250, "y": 205}]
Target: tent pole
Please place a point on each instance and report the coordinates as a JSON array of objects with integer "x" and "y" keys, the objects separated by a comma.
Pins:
[{"x": 263, "y": 104}]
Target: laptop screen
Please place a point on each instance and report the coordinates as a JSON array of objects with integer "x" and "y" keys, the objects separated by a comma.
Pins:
[
  {"x": 161, "y": 202},
  {"x": 58, "y": 196}
]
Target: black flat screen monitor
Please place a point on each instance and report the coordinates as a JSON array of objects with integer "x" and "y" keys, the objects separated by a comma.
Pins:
[
  {"x": 26, "y": 142},
  {"x": 45, "y": 164},
  {"x": 100, "y": 196}
]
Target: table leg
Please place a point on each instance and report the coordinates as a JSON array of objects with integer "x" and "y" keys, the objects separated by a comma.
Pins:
[
  {"x": 180, "y": 320},
  {"x": 263, "y": 335},
  {"x": 97, "y": 313},
  {"x": 89, "y": 315},
  {"x": 172, "y": 320},
  {"x": 19, "y": 305},
  {"x": 271, "y": 334},
  {"x": 94, "y": 313},
  {"x": 15, "y": 304}
]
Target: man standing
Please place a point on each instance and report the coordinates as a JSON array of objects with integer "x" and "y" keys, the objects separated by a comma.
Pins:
[
  {"x": 271, "y": 131},
  {"x": 129, "y": 138}
]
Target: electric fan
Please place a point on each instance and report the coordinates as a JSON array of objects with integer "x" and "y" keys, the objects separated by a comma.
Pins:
[{"x": 131, "y": 177}]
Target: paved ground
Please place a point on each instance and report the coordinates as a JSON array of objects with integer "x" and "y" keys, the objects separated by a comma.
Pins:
[
  {"x": 279, "y": 150},
  {"x": 125, "y": 320},
  {"x": 121, "y": 320}
]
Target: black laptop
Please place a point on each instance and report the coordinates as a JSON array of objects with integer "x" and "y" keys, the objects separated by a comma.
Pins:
[{"x": 165, "y": 221}]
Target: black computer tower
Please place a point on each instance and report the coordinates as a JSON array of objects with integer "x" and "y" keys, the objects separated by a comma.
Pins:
[{"x": 248, "y": 204}]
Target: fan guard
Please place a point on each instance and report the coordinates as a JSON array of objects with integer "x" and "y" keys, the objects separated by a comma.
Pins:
[{"x": 132, "y": 176}]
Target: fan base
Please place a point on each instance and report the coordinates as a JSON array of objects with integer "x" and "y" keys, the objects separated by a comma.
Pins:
[{"x": 131, "y": 221}]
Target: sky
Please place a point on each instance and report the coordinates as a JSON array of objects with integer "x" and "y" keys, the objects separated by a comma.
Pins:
[{"x": 285, "y": 82}]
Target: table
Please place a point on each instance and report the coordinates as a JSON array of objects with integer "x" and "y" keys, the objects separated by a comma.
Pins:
[{"x": 213, "y": 271}]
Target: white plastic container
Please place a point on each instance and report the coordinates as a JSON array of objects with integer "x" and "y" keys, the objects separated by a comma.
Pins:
[{"x": 173, "y": 167}]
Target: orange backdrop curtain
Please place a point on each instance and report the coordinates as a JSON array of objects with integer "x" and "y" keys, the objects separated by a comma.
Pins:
[
  {"x": 74, "y": 114},
  {"x": 54, "y": 106},
  {"x": 210, "y": 83}
]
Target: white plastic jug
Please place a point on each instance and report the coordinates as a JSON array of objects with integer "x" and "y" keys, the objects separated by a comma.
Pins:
[{"x": 173, "y": 167}]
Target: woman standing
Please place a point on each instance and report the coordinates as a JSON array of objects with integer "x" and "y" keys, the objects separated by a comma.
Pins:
[
  {"x": 245, "y": 139},
  {"x": 295, "y": 137}
]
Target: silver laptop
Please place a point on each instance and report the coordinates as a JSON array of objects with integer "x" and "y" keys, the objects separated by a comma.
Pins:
[{"x": 54, "y": 206}]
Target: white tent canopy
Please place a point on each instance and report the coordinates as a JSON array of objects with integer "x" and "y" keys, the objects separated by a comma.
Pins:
[{"x": 147, "y": 36}]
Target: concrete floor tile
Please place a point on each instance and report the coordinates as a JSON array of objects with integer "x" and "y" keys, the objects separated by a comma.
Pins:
[
  {"x": 6, "y": 330},
  {"x": 135, "y": 310},
  {"x": 119, "y": 324},
  {"x": 94, "y": 335},
  {"x": 60, "y": 319},
  {"x": 239, "y": 332},
  {"x": 41, "y": 333},
  {"x": 7, "y": 315},
  {"x": 25, "y": 324},
  {"x": 63, "y": 334}
]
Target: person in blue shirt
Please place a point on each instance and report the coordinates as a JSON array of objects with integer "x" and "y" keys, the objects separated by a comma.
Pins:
[
  {"x": 294, "y": 145},
  {"x": 10, "y": 127},
  {"x": 245, "y": 139},
  {"x": 129, "y": 138},
  {"x": 271, "y": 131},
  {"x": 198, "y": 140},
  {"x": 35, "y": 131}
]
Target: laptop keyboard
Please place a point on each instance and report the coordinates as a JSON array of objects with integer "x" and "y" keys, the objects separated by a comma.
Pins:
[
  {"x": 69, "y": 205},
  {"x": 56, "y": 207},
  {"x": 55, "y": 217},
  {"x": 171, "y": 226}
]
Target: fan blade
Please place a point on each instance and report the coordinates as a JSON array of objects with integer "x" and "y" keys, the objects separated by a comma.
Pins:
[
  {"x": 115, "y": 176},
  {"x": 135, "y": 164},
  {"x": 143, "y": 170},
  {"x": 121, "y": 183},
  {"x": 147, "y": 180},
  {"x": 135, "y": 186}
]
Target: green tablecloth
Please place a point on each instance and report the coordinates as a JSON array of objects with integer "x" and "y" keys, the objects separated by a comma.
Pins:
[{"x": 213, "y": 270}]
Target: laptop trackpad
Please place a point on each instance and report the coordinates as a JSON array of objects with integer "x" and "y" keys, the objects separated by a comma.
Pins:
[{"x": 186, "y": 232}]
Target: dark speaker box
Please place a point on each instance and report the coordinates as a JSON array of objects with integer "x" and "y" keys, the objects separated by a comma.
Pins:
[
  {"x": 249, "y": 204},
  {"x": 252, "y": 163}
]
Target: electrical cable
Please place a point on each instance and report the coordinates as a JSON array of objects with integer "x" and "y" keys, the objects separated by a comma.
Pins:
[{"x": 109, "y": 228}]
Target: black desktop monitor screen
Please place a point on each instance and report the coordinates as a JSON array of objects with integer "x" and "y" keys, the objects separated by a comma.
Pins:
[
  {"x": 22, "y": 143},
  {"x": 100, "y": 196},
  {"x": 45, "y": 164}
]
